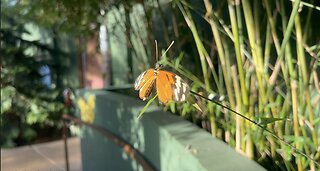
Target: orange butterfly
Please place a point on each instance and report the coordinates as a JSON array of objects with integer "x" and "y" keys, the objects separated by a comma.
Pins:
[{"x": 169, "y": 86}]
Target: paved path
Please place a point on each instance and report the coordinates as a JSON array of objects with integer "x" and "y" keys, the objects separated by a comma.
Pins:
[{"x": 42, "y": 157}]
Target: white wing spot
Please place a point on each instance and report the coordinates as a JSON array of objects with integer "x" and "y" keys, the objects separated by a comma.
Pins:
[
  {"x": 184, "y": 88},
  {"x": 183, "y": 97},
  {"x": 180, "y": 89},
  {"x": 138, "y": 80}
]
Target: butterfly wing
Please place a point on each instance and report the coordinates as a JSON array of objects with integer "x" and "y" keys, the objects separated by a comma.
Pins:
[
  {"x": 181, "y": 89},
  {"x": 144, "y": 83},
  {"x": 171, "y": 87},
  {"x": 143, "y": 78}
]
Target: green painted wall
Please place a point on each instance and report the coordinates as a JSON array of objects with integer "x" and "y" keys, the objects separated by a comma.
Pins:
[
  {"x": 167, "y": 141},
  {"x": 118, "y": 45}
]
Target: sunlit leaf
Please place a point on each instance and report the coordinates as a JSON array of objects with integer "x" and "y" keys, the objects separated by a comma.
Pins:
[
  {"x": 146, "y": 106},
  {"x": 197, "y": 107},
  {"x": 265, "y": 121}
]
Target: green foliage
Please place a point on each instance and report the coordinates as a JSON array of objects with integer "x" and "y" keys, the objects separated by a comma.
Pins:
[
  {"x": 146, "y": 106},
  {"x": 262, "y": 76},
  {"x": 261, "y": 58},
  {"x": 30, "y": 106}
]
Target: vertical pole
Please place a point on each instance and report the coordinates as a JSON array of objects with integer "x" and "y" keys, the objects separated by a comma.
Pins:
[{"x": 65, "y": 144}]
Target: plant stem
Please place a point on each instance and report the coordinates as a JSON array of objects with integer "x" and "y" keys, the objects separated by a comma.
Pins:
[{"x": 295, "y": 149}]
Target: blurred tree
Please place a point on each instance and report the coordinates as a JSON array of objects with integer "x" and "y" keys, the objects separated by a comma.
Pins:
[{"x": 34, "y": 71}]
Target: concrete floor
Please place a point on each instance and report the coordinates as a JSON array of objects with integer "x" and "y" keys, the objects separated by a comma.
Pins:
[{"x": 42, "y": 157}]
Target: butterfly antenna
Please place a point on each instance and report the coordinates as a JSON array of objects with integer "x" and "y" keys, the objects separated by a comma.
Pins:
[
  {"x": 156, "y": 50},
  {"x": 167, "y": 48}
]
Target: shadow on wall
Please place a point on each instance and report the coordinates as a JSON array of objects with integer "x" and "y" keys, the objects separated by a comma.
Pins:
[
  {"x": 166, "y": 141},
  {"x": 120, "y": 117}
]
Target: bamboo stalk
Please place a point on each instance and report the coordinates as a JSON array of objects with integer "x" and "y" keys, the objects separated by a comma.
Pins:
[
  {"x": 239, "y": 131},
  {"x": 199, "y": 45},
  {"x": 222, "y": 57},
  {"x": 305, "y": 76},
  {"x": 285, "y": 40},
  {"x": 294, "y": 89},
  {"x": 241, "y": 74},
  {"x": 256, "y": 70},
  {"x": 244, "y": 93}
]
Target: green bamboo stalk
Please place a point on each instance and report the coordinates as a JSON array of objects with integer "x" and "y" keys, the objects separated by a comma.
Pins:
[
  {"x": 187, "y": 16},
  {"x": 257, "y": 24},
  {"x": 244, "y": 93},
  {"x": 305, "y": 77},
  {"x": 288, "y": 55},
  {"x": 239, "y": 122},
  {"x": 294, "y": 89},
  {"x": 307, "y": 25},
  {"x": 212, "y": 120},
  {"x": 295, "y": 102},
  {"x": 255, "y": 50},
  {"x": 240, "y": 27},
  {"x": 306, "y": 147},
  {"x": 228, "y": 68},
  {"x": 279, "y": 98},
  {"x": 267, "y": 48},
  {"x": 272, "y": 26},
  {"x": 271, "y": 21},
  {"x": 256, "y": 53},
  {"x": 285, "y": 40},
  {"x": 222, "y": 57},
  {"x": 310, "y": 5}
]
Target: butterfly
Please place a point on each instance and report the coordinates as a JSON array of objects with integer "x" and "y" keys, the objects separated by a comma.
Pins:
[{"x": 169, "y": 86}]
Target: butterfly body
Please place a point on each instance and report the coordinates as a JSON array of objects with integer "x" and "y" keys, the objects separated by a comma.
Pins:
[{"x": 168, "y": 85}]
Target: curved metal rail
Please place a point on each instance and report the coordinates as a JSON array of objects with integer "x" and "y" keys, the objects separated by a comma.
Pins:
[{"x": 126, "y": 147}]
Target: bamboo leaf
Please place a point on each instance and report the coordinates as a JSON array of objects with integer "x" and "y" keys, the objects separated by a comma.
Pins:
[
  {"x": 265, "y": 121},
  {"x": 146, "y": 106}
]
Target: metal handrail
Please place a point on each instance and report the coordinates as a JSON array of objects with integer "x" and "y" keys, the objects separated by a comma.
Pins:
[{"x": 126, "y": 147}]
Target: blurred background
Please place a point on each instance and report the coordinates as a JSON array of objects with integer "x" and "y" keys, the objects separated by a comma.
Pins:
[{"x": 261, "y": 58}]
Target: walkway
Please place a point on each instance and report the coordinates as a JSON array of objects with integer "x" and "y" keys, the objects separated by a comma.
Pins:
[{"x": 42, "y": 157}]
